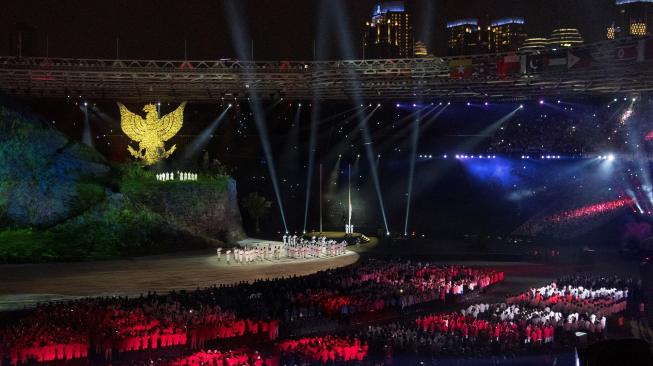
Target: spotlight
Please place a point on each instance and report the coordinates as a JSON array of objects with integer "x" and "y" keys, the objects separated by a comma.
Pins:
[
  {"x": 444, "y": 156},
  {"x": 558, "y": 101},
  {"x": 521, "y": 106},
  {"x": 448, "y": 103},
  {"x": 300, "y": 104},
  {"x": 541, "y": 101},
  {"x": 414, "y": 105},
  {"x": 378, "y": 105},
  {"x": 397, "y": 105},
  {"x": 611, "y": 157},
  {"x": 486, "y": 104},
  {"x": 358, "y": 156},
  {"x": 468, "y": 104},
  {"x": 229, "y": 105},
  {"x": 340, "y": 155},
  {"x": 85, "y": 104},
  {"x": 158, "y": 103}
]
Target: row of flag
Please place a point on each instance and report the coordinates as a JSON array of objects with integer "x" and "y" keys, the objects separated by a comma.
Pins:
[{"x": 572, "y": 59}]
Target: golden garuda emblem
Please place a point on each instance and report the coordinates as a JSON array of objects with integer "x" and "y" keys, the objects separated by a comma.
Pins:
[{"x": 151, "y": 132}]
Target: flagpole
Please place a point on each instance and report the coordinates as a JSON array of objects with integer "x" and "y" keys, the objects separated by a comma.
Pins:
[{"x": 349, "y": 202}]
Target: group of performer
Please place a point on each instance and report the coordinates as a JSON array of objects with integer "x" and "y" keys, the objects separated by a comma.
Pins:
[
  {"x": 182, "y": 176},
  {"x": 298, "y": 247},
  {"x": 292, "y": 247}
]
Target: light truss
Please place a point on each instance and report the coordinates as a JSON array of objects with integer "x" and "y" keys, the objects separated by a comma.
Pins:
[{"x": 395, "y": 79}]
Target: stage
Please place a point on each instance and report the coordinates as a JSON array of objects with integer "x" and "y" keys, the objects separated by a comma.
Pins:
[{"x": 27, "y": 284}]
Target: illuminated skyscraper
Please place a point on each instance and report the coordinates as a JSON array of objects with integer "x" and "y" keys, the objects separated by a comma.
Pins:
[
  {"x": 421, "y": 50},
  {"x": 565, "y": 37},
  {"x": 465, "y": 37},
  {"x": 506, "y": 34},
  {"x": 634, "y": 18},
  {"x": 534, "y": 44},
  {"x": 389, "y": 32}
]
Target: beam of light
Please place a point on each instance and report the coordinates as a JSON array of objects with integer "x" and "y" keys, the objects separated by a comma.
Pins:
[
  {"x": 411, "y": 172},
  {"x": 642, "y": 164},
  {"x": 588, "y": 211},
  {"x": 312, "y": 147},
  {"x": 332, "y": 182},
  {"x": 426, "y": 125},
  {"x": 339, "y": 16},
  {"x": 315, "y": 124},
  {"x": 627, "y": 113},
  {"x": 367, "y": 140},
  {"x": 396, "y": 137},
  {"x": 343, "y": 144},
  {"x": 488, "y": 131},
  {"x": 633, "y": 197},
  {"x": 200, "y": 142},
  {"x": 236, "y": 25},
  {"x": 87, "y": 137}
]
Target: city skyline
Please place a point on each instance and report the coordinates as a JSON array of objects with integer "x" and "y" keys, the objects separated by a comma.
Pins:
[{"x": 150, "y": 29}]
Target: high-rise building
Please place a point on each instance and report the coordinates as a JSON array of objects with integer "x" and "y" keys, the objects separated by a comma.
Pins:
[
  {"x": 465, "y": 37},
  {"x": 565, "y": 37},
  {"x": 634, "y": 18},
  {"x": 421, "y": 50},
  {"x": 389, "y": 31},
  {"x": 506, "y": 34},
  {"x": 534, "y": 44}
]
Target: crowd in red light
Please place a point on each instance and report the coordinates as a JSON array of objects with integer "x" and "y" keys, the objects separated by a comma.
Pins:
[
  {"x": 389, "y": 285},
  {"x": 65, "y": 331},
  {"x": 528, "y": 322},
  {"x": 326, "y": 349},
  {"x": 590, "y": 210}
]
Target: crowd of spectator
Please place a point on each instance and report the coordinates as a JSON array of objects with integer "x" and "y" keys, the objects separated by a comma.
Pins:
[
  {"x": 70, "y": 329},
  {"x": 530, "y": 323}
]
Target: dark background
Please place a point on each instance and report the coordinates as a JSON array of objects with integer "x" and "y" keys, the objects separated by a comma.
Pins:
[{"x": 280, "y": 29}]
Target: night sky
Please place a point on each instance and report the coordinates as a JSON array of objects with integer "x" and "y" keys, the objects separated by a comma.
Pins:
[{"x": 280, "y": 29}]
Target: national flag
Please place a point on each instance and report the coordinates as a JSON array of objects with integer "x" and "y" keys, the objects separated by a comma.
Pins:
[
  {"x": 556, "y": 61},
  {"x": 644, "y": 50},
  {"x": 579, "y": 59},
  {"x": 481, "y": 69},
  {"x": 507, "y": 65},
  {"x": 625, "y": 53},
  {"x": 460, "y": 68},
  {"x": 532, "y": 64}
]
